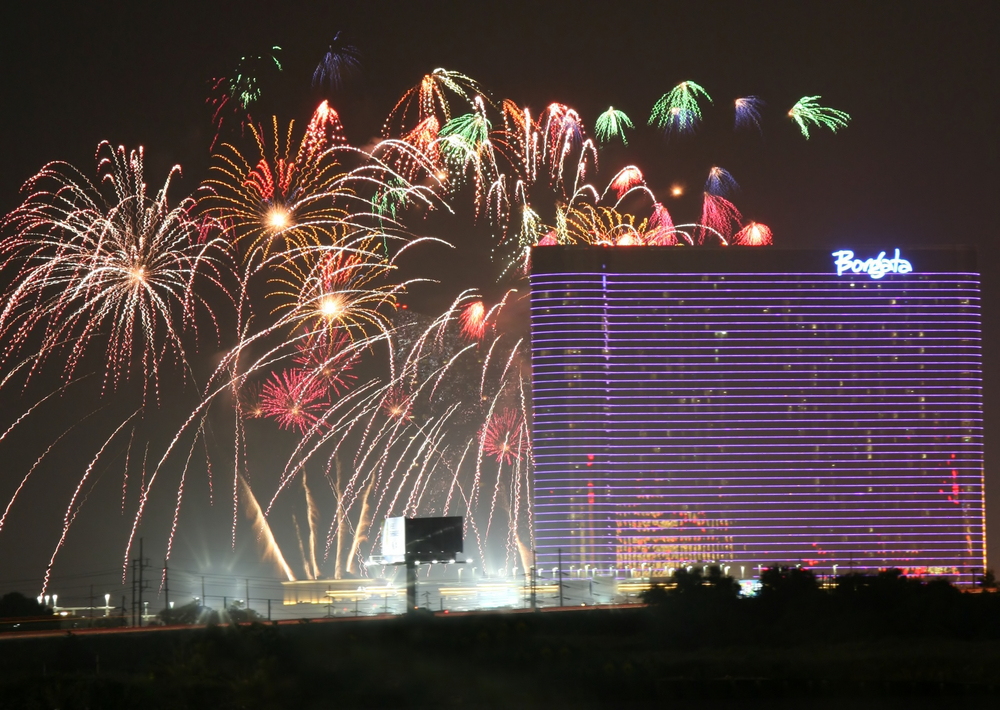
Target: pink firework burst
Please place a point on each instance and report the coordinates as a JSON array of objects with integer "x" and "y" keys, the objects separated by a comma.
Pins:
[
  {"x": 720, "y": 217},
  {"x": 505, "y": 437},
  {"x": 754, "y": 234},
  {"x": 661, "y": 232},
  {"x": 473, "y": 320},
  {"x": 294, "y": 398},
  {"x": 548, "y": 240}
]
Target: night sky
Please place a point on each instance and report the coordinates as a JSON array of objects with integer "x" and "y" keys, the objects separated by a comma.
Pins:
[{"x": 917, "y": 166}]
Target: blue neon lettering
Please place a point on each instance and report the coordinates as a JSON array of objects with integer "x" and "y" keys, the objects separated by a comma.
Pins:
[{"x": 876, "y": 268}]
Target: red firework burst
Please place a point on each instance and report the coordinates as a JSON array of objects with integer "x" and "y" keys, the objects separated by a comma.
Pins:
[
  {"x": 505, "y": 437},
  {"x": 473, "y": 320},
  {"x": 626, "y": 179},
  {"x": 294, "y": 399}
]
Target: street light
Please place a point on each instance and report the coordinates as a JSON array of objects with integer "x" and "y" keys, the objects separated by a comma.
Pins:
[
  {"x": 107, "y": 604},
  {"x": 55, "y": 601}
]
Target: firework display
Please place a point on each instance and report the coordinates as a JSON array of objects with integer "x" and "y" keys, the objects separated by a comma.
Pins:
[{"x": 288, "y": 259}]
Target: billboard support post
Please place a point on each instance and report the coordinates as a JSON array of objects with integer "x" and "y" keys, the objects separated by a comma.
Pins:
[{"x": 411, "y": 584}]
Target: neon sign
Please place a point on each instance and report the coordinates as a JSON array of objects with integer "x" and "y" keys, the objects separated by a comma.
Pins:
[{"x": 876, "y": 268}]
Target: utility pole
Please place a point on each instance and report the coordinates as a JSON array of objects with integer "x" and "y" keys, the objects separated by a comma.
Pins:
[
  {"x": 204, "y": 602},
  {"x": 91, "y": 601},
  {"x": 560, "y": 578},
  {"x": 133, "y": 592},
  {"x": 166, "y": 587},
  {"x": 248, "y": 599},
  {"x": 141, "y": 565}
]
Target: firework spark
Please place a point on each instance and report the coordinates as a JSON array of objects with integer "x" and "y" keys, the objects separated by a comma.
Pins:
[
  {"x": 678, "y": 110},
  {"x": 807, "y": 112},
  {"x": 754, "y": 235},
  {"x": 748, "y": 113},
  {"x": 341, "y": 61},
  {"x": 610, "y": 124}
]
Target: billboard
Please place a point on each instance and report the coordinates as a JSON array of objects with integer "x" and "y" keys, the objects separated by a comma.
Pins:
[{"x": 423, "y": 539}]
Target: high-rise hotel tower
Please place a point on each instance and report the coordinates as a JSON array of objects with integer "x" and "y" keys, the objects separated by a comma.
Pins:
[{"x": 758, "y": 406}]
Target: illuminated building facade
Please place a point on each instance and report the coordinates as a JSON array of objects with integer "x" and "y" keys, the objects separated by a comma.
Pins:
[{"x": 758, "y": 406}]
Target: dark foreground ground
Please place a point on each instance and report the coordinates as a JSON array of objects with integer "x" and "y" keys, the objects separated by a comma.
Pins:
[{"x": 671, "y": 655}]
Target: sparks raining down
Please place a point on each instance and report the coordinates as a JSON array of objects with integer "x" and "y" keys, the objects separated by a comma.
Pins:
[
  {"x": 678, "y": 111},
  {"x": 129, "y": 270},
  {"x": 430, "y": 99},
  {"x": 720, "y": 183},
  {"x": 748, "y": 113},
  {"x": 230, "y": 97},
  {"x": 807, "y": 112},
  {"x": 627, "y": 178},
  {"x": 341, "y": 61},
  {"x": 754, "y": 235},
  {"x": 245, "y": 83},
  {"x": 610, "y": 124},
  {"x": 719, "y": 218}
]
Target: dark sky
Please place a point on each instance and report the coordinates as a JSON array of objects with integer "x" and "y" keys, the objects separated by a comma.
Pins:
[{"x": 918, "y": 164}]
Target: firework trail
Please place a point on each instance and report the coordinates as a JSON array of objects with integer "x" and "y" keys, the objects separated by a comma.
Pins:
[
  {"x": 807, "y": 112},
  {"x": 429, "y": 99},
  {"x": 500, "y": 435},
  {"x": 329, "y": 357},
  {"x": 313, "y": 520},
  {"x": 262, "y": 530},
  {"x": 72, "y": 510},
  {"x": 474, "y": 320},
  {"x": 38, "y": 461},
  {"x": 626, "y": 179},
  {"x": 180, "y": 497}
]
